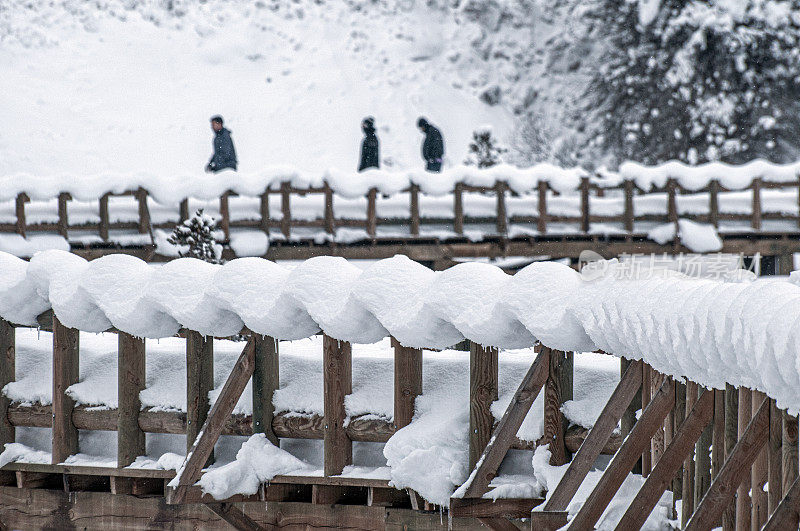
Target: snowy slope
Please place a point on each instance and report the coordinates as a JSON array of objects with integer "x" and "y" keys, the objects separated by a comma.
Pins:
[{"x": 129, "y": 85}]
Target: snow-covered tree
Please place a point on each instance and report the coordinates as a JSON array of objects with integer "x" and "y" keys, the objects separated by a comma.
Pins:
[
  {"x": 484, "y": 150},
  {"x": 699, "y": 80},
  {"x": 195, "y": 238}
]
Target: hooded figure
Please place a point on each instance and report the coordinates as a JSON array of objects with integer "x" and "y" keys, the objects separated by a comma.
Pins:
[
  {"x": 370, "y": 152},
  {"x": 432, "y": 146},
  {"x": 224, "y": 154}
]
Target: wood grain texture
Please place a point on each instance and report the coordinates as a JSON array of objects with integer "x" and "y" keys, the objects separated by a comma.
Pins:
[
  {"x": 66, "y": 371},
  {"x": 743, "y": 496},
  {"x": 337, "y": 383},
  {"x": 786, "y": 515},
  {"x": 483, "y": 382},
  {"x": 266, "y": 379},
  {"x": 407, "y": 382},
  {"x": 7, "y": 375},
  {"x": 789, "y": 467},
  {"x": 130, "y": 382},
  {"x": 199, "y": 382},
  {"x": 553, "y": 433}
]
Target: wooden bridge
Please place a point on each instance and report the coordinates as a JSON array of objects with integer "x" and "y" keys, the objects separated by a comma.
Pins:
[
  {"x": 611, "y": 218},
  {"x": 716, "y": 450}
]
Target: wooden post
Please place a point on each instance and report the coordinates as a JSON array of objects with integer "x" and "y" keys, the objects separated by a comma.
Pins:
[
  {"x": 20, "y": 211},
  {"x": 718, "y": 433},
  {"x": 372, "y": 212},
  {"x": 628, "y": 214},
  {"x": 585, "y": 214},
  {"x": 225, "y": 215},
  {"x": 458, "y": 209},
  {"x": 646, "y": 390},
  {"x": 756, "y": 217},
  {"x": 774, "y": 457},
  {"x": 144, "y": 211},
  {"x": 63, "y": 214},
  {"x": 657, "y": 440},
  {"x": 553, "y": 422},
  {"x": 338, "y": 383},
  {"x": 414, "y": 209},
  {"x": 184, "y": 210},
  {"x": 678, "y": 416},
  {"x": 330, "y": 225},
  {"x": 731, "y": 436},
  {"x": 264, "y": 211},
  {"x": 7, "y": 375},
  {"x": 702, "y": 463},
  {"x": 199, "y": 382},
  {"x": 65, "y": 373},
  {"x": 130, "y": 382},
  {"x": 743, "y": 492},
  {"x": 407, "y": 382},
  {"x": 629, "y": 417},
  {"x": 104, "y": 221},
  {"x": 502, "y": 215},
  {"x": 266, "y": 380},
  {"x": 541, "y": 222},
  {"x": 759, "y": 475},
  {"x": 483, "y": 383},
  {"x": 790, "y": 451},
  {"x": 713, "y": 203},
  {"x": 687, "y": 496},
  {"x": 286, "y": 209}
]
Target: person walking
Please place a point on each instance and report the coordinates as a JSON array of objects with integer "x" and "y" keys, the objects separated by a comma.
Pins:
[
  {"x": 432, "y": 146},
  {"x": 370, "y": 149},
  {"x": 224, "y": 153}
]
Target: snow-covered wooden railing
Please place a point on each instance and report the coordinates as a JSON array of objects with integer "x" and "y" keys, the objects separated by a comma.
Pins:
[{"x": 539, "y": 196}]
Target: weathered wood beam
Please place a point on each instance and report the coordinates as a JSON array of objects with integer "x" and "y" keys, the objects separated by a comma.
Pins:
[
  {"x": 786, "y": 515},
  {"x": 130, "y": 382},
  {"x": 553, "y": 420},
  {"x": 483, "y": 384},
  {"x": 759, "y": 473},
  {"x": 7, "y": 375},
  {"x": 731, "y": 436},
  {"x": 266, "y": 380},
  {"x": 337, "y": 384},
  {"x": 65, "y": 373},
  {"x": 407, "y": 382},
  {"x": 774, "y": 457},
  {"x": 199, "y": 383}
]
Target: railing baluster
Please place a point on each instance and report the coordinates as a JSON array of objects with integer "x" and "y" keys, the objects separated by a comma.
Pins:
[
  {"x": 266, "y": 380},
  {"x": 774, "y": 457},
  {"x": 756, "y": 215},
  {"x": 337, "y": 360},
  {"x": 585, "y": 212},
  {"x": 628, "y": 212},
  {"x": 264, "y": 211},
  {"x": 646, "y": 396},
  {"x": 758, "y": 479},
  {"x": 731, "y": 436},
  {"x": 225, "y": 215},
  {"x": 483, "y": 383},
  {"x": 199, "y": 382},
  {"x": 20, "y": 211},
  {"x": 65, "y": 373},
  {"x": 414, "y": 209},
  {"x": 286, "y": 209},
  {"x": 553, "y": 399},
  {"x": 541, "y": 222},
  {"x": 713, "y": 203},
  {"x": 104, "y": 220},
  {"x": 687, "y": 496},
  {"x": 7, "y": 375},
  {"x": 184, "y": 210},
  {"x": 407, "y": 382},
  {"x": 130, "y": 382},
  {"x": 743, "y": 492},
  {"x": 330, "y": 223},
  {"x": 372, "y": 214},
  {"x": 144, "y": 211},
  {"x": 458, "y": 209},
  {"x": 63, "y": 216},
  {"x": 502, "y": 215},
  {"x": 789, "y": 466}
]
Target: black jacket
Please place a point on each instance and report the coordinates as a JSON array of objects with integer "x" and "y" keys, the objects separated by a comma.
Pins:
[
  {"x": 224, "y": 152},
  {"x": 433, "y": 146},
  {"x": 370, "y": 151}
]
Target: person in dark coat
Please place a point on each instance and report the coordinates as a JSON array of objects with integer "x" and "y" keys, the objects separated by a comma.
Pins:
[
  {"x": 370, "y": 150},
  {"x": 224, "y": 152},
  {"x": 432, "y": 146}
]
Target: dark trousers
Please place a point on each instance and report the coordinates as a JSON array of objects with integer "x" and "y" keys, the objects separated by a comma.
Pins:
[{"x": 434, "y": 166}]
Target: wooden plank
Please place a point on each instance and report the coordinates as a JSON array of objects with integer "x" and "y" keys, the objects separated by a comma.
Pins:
[
  {"x": 718, "y": 433},
  {"x": 458, "y": 209},
  {"x": 488, "y": 508},
  {"x": 687, "y": 495},
  {"x": 65, "y": 373},
  {"x": 63, "y": 214},
  {"x": 21, "y": 224},
  {"x": 483, "y": 383},
  {"x": 225, "y": 215},
  {"x": 755, "y": 222},
  {"x": 731, "y": 436},
  {"x": 264, "y": 211},
  {"x": 647, "y": 391},
  {"x": 104, "y": 219},
  {"x": 286, "y": 209},
  {"x": 759, "y": 473},
  {"x": 414, "y": 209},
  {"x": 372, "y": 212},
  {"x": 507, "y": 428},
  {"x": 337, "y": 383},
  {"x": 629, "y": 417},
  {"x": 589, "y": 451},
  {"x": 502, "y": 215},
  {"x": 623, "y": 462},
  {"x": 144, "y": 212},
  {"x": 130, "y": 382},
  {"x": 203, "y": 446},
  {"x": 678, "y": 415},
  {"x": 407, "y": 382},
  {"x": 7, "y": 375},
  {"x": 184, "y": 210},
  {"x": 628, "y": 209},
  {"x": 713, "y": 203},
  {"x": 789, "y": 467},
  {"x": 199, "y": 382},
  {"x": 672, "y": 211},
  {"x": 553, "y": 433},
  {"x": 541, "y": 221},
  {"x": 266, "y": 380},
  {"x": 671, "y": 461},
  {"x": 774, "y": 457},
  {"x": 657, "y": 440},
  {"x": 736, "y": 467},
  {"x": 743, "y": 495},
  {"x": 585, "y": 212},
  {"x": 330, "y": 221},
  {"x": 786, "y": 515},
  {"x": 702, "y": 463},
  {"x": 235, "y": 517}
]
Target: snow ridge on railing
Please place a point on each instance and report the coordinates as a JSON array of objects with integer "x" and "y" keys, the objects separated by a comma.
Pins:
[
  {"x": 714, "y": 332},
  {"x": 172, "y": 189}
]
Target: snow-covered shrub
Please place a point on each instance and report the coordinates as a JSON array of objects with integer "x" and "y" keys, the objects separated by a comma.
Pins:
[
  {"x": 195, "y": 238},
  {"x": 699, "y": 80},
  {"x": 484, "y": 150}
]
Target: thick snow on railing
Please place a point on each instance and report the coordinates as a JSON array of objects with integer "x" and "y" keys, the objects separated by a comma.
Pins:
[
  {"x": 745, "y": 333},
  {"x": 172, "y": 189}
]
